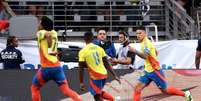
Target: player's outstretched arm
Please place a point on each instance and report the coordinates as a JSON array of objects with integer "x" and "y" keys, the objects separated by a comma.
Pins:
[{"x": 108, "y": 66}]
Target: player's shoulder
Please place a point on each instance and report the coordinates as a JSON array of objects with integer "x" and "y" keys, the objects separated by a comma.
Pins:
[
  {"x": 150, "y": 43},
  {"x": 42, "y": 31},
  {"x": 97, "y": 47},
  {"x": 94, "y": 45},
  {"x": 53, "y": 31},
  {"x": 83, "y": 50}
]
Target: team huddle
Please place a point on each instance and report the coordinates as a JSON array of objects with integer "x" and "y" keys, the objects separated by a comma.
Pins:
[{"x": 96, "y": 60}]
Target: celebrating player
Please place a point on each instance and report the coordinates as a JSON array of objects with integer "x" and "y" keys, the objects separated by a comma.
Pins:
[
  {"x": 50, "y": 65},
  {"x": 95, "y": 60},
  {"x": 152, "y": 69}
]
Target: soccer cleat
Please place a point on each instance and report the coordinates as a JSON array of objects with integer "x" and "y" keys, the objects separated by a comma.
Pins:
[{"x": 188, "y": 96}]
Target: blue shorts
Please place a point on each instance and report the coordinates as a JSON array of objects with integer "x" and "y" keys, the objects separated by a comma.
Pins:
[
  {"x": 45, "y": 74},
  {"x": 96, "y": 86},
  {"x": 148, "y": 77}
]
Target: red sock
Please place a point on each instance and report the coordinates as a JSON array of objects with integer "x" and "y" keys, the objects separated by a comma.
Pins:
[
  {"x": 35, "y": 91},
  {"x": 174, "y": 91},
  {"x": 68, "y": 92},
  {"x": 107, "y": 96},
  {"x": 136, "y": 96}
]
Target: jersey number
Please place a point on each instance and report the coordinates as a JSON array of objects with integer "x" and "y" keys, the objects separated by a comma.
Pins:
[{"x": 96, "y": 57}]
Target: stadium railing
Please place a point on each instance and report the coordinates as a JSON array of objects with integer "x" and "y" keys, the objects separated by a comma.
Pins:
[
  {"x": 80, "y": 16},
  {"x": 179, "y": 24}
]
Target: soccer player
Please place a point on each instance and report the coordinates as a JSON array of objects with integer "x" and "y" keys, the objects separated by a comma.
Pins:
[
  {"x": 50, "y": 66},
  {"x": 152, "y": 69},
  {"x": 94, "y": 58}
]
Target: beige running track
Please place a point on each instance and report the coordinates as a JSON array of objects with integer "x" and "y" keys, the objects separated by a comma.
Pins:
[{"x": 151, "y": 93}]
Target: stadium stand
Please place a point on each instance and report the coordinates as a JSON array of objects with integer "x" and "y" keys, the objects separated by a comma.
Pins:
[{"x": 79, "y": 16}]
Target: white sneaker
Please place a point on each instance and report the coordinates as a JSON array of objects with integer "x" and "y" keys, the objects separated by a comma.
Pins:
[
  {"x": 188, "y": 96},
  {"x": 117, "y": 98}
]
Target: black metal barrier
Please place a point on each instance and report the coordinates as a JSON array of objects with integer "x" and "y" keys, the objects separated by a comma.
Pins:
[{"x": 15, "y": 84}]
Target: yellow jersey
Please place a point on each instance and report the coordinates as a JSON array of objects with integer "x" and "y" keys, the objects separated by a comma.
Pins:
[
  {"x": 151, "y": 63},
  {"x": 47, "y": 60},
  {"x": 92, "y": 55}
]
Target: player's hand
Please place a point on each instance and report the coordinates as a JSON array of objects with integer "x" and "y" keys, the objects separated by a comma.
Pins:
[
  {"x": 82, "y": 87},
  {"x": 118, "y": 79},
  {"x": 114, "y": 61}
]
